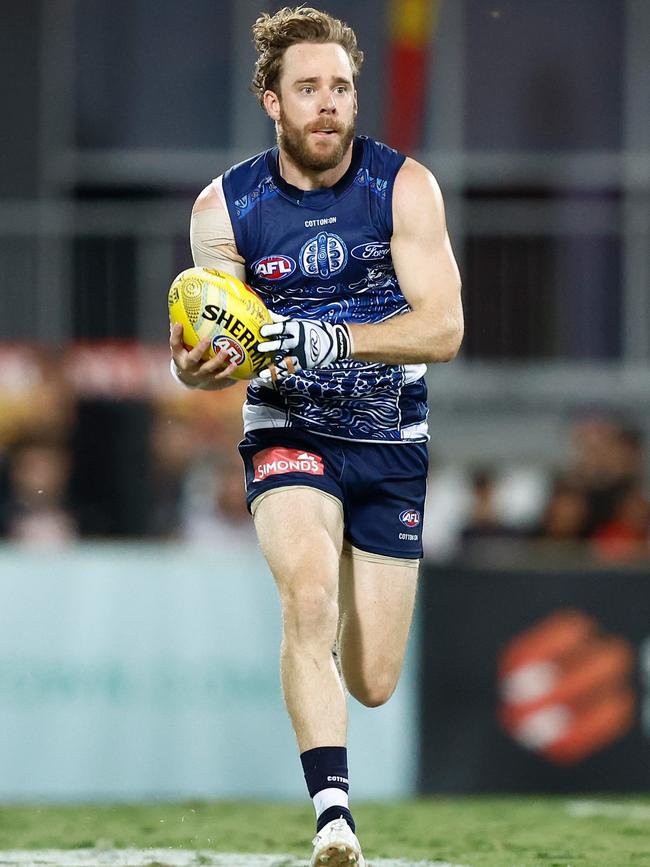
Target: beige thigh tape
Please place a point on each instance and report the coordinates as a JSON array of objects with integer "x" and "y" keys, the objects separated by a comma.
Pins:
[
  {"x": 358, "y": 554},
  {"x": 348, "y": 549},
  {"x": 256, "y": 502}
]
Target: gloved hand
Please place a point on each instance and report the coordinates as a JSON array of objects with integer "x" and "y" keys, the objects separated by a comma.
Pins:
[{"x": 303, "y": 343}]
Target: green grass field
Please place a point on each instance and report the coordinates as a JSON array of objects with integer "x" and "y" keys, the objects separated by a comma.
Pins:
[{"x": 475, "y": 832}]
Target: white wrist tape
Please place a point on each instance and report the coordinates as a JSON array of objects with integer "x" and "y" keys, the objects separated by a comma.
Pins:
[{"x": 176, "y": 376}]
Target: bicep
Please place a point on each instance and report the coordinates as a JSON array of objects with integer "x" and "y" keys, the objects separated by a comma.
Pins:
[
  {"x": 422, "y": 254},
  {"x": 211, "y": 236}
]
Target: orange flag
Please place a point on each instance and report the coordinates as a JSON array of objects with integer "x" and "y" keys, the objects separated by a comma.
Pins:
[{"x": 412, "y": 29}]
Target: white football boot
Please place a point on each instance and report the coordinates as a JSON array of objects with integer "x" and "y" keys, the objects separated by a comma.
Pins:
[{"x": 336, "y": 846}]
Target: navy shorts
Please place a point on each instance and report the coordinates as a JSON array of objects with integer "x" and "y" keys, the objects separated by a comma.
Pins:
[{"x": 381, "y": 486}]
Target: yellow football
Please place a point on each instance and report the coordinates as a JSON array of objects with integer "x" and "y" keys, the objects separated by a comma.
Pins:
[{"x": 214, "y": 305}]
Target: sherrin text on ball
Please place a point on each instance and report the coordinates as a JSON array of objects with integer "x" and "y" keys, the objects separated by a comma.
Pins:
[{"x": 214, "y": 305}]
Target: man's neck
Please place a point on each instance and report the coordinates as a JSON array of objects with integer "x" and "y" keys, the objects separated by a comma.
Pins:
[{"x": 304, "y": 179}]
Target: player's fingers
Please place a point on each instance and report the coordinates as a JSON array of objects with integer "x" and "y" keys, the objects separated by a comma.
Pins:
[
  {"x": 280, "y": 369},
  {"x": 269, "y": 346},
  {"x": 269, "y": 374},
  {"x": 195, "y": 355},
  {"x": 272, "y": 330},
  {"x": 287, "y": 365},
  {"x": 212, "y": 365},
  {"x": 179, "y": 353},
  {"x": 227, "y": 371},
  {"x": 175, "y": 336}
]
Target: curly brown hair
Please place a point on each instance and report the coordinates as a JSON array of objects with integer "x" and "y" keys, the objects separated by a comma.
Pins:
[{"x": 273, "y": 34}]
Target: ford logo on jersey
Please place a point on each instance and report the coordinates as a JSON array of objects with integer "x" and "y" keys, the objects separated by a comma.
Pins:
[
  {"x": 274, "y": 267},
  {"x": 371, "y": 251},
  {"x": 323, "y": 256},
  {"x": 410, "y": 517}
]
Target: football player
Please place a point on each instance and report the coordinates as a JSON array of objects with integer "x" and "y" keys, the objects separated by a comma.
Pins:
[{"x": 345, "y": 240}]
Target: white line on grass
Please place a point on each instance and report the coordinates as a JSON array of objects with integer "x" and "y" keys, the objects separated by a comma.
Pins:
[
  {"x": 171, "y": 858},
  {"x": 608, "y": 809}
]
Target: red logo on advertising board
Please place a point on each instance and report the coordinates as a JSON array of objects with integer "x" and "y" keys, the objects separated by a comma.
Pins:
[
  {"x": 565, "y": 688},
  {"x": 277, "y": 460}
]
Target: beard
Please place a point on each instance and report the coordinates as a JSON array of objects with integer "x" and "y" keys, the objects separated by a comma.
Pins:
[{"x": 297, "y": 144}]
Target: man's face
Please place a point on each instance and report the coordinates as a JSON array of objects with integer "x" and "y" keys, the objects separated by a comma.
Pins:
[{"x": 316, "y": 105}]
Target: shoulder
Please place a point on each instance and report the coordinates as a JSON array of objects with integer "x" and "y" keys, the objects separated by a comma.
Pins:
[
  {"x": 210, "y": 197},
  {"x": 381, "y": 159},
  {"x": 416, "y": 196},
  {"x": 415, "y": 182},
  {"x": 247, "y": 175},
  {"x": 242, "y": 174}
]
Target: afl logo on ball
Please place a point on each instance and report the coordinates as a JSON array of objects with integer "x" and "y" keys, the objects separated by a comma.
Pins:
[
  {"x": 234, "y": 349},
  {"x": 410, "y": 518},
  {"x": 274, "y": 267},
  {"x": 323, "y": 256}
]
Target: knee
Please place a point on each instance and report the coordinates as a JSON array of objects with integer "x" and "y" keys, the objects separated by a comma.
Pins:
[
  {"x": 310, "y": 613},
  {"x": 372, "y": 693}
]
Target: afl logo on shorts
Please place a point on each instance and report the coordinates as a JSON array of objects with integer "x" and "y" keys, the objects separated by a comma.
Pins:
[
  {"x": 234, "y": 349},
  {"x": 274, "y": 267},
  {"x": 410, "y": 518},
  {"x": 323, "y": 256}
]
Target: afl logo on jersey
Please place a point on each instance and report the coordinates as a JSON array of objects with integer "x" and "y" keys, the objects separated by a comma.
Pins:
[
  {"x": 410, "y": 517},
  {"x": 371, "y": 251},
  {"x": 323, "y": 256},
  {"x": 274, "y": 267}
]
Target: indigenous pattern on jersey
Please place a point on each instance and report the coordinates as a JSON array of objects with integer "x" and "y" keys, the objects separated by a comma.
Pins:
[{"x": 325, "y": 254}]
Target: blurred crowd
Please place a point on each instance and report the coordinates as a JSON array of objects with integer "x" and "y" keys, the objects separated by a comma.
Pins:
[
  {"x": 155, "y": 465},
  {"x": 166, "y": 467},
  {"x": 593, "y": 500}
]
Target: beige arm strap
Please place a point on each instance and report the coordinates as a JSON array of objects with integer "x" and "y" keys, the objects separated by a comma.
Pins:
[{"x": 212, "y": 238}]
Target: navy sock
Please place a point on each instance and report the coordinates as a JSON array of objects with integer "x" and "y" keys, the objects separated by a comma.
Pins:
[
  {"x": 335, "y": 813},
  {"x": 327, "y": 768}
]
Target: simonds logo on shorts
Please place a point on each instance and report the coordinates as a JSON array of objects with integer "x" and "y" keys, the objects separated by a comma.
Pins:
[
  {"x": 410, "y": 517},
  {"x": 277, "y": 460}
]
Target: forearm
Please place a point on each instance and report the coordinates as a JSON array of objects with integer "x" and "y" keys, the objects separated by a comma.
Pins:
[
  {"x": 415, "y": 337},
  {"x": 410, "y": 338}
]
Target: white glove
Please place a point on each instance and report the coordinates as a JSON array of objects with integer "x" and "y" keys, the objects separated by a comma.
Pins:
[{"x": 303, "y": 343}]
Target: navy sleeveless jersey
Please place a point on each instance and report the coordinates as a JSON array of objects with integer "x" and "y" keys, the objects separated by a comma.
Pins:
[{"x": 325, "y": 254}]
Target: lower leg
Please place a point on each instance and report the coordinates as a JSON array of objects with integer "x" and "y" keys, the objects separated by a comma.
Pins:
[
  {"x": 376, "y": 599},
  {"x": 306, "y": 572},
  {"x": 315, "y": 699},
  {"x": 312, "y": 688}
]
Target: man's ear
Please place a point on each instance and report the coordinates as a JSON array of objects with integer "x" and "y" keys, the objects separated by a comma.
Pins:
[{"x": 271, "y": 104}]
